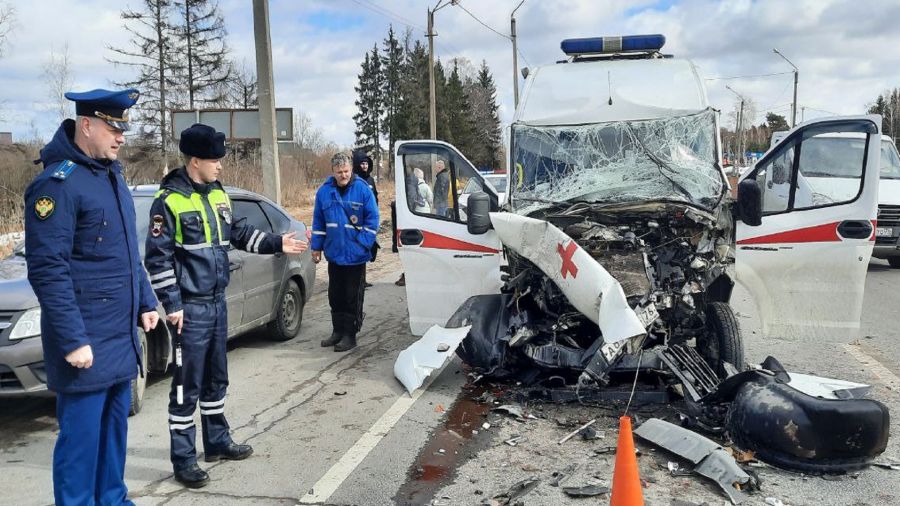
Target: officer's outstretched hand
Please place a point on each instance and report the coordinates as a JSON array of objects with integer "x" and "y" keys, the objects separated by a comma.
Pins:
[
  {"x": 81, "y": 358},
  {"x": 176, "y": 319},
  {"x": 292, "y": 246},
  {"x": 149, "y": 320}
]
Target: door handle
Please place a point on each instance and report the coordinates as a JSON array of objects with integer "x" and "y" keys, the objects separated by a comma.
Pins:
[
  {"x": 855, "y": 229},
  {"x": 411, "y": 237},
  {"x": 233, "y": 266}
]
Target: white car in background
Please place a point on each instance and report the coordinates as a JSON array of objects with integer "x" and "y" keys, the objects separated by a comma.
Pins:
[{"x": 474, "y": 185}]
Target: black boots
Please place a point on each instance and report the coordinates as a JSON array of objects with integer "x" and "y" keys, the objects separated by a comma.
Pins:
[
  {"x": 192, "y": 476},
  {"x": 231, "y": 452},
  {"x": 347, "y": 343},
  {"x": 331, "y": 341}
]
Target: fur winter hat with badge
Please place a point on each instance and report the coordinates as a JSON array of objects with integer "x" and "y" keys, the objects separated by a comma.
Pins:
[{"x": 202, "y": 141}]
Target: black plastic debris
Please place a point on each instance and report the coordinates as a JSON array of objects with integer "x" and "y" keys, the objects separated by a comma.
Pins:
[
  {"x": 585, "y": 491},
  {"x": 516, "y": 491}
]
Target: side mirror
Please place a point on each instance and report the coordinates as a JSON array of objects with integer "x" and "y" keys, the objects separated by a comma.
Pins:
[
  {"x": 750, "y": 202},
  {"x": 478, "y": 219}
]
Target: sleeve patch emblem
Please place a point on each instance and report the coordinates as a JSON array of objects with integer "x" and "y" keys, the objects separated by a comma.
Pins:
[
  {"x": 225, "y": 212},
  {"x": 156, "y": 227},
  {"x": 43, "y": 207},
  {"x": 353, "y": 219}
]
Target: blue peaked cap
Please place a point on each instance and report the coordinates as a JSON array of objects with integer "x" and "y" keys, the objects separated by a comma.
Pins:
[{"x": 110, "y": 106}]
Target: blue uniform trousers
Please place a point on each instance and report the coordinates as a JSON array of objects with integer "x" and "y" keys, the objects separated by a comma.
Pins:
[
  {"x": 203, "y": 377},
  {"x": 89, "y": 458}
]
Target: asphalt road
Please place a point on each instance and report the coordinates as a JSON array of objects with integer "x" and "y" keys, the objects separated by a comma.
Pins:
[{"x": 331, "y": 428}]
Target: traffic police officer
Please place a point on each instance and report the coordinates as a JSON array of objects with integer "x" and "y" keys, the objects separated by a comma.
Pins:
[
  {"x": 85, "y": 268},
  {"x": 345, "y": 224},
  {"x": 191, "y": 227}
]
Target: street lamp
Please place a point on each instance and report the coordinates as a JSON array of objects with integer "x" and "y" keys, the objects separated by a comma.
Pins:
[
  {"x": 432, "y": 110},
  {"x": 796, "y": 74},
  {"x": 739, "y": 124},
  {"x": 512, "y": 31}
]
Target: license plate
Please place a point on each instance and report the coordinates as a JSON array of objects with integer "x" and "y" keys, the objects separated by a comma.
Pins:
[{"x": 884, "y": 232}]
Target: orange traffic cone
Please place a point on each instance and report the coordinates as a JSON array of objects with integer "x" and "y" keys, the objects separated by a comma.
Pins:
[{"x": 626, "y": 487}]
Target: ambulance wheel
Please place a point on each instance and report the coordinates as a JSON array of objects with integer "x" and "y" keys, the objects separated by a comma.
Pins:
[
  {"x": 288, "y": 314},
  {"x": 894, "y": 262},
  {"x": 721, "y": 342},
  {"x": 139, "y": 384}
]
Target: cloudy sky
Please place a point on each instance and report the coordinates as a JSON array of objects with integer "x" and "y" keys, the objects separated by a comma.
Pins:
[{"x": 848, "y": 51}]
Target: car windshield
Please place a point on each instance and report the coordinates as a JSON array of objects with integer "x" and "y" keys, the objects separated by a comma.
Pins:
[
  {"x": 498, "y": 182},
  {"x": 625, "y": 161},
  {"x": 890, "y": 162}
]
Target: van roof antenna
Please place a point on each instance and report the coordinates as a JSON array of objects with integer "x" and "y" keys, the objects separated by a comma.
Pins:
[{"x": 609, "y": 83}]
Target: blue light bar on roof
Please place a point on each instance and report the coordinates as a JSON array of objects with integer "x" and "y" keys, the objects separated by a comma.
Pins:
[{"x": 606, "y": 45}]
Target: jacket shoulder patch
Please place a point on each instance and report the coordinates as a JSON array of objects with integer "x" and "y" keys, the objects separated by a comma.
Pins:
[
  {"x": 64, "y": 169},
  {"x": 44, "y": 206}
]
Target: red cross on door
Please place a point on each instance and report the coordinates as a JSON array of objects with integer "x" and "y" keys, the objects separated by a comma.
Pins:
[{"x": 568, "y": 266}]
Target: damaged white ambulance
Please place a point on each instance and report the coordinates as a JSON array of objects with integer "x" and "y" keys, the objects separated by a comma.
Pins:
[{"x": 620, "y": 234}]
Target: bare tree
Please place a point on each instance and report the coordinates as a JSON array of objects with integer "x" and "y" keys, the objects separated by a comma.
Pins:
[
  {"x": 241, "y": 87},
  {"x": 306, "y": 136},
  {"x": 7, "y": 24},
  {"x": 57, "y": 74},
  {"x": 207, "y": 65},
  {"x": 154, "y": 54}
]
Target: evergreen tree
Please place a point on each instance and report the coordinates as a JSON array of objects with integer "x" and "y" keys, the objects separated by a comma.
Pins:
[
  {"x": 370, "y": 105},
  {"x": 442, "y": 105},
  {"x": 888, "y": 106},
  {"x": 413, "y": 113},
  {"x": 776, "y": 122},
  {"x": 392, "y": 71},
  {"x": 458, "y": 112},
  {"x": 207, "y": 67},
  {"x": 482, "y": 95},
  {"x": 153, "y": 52}
]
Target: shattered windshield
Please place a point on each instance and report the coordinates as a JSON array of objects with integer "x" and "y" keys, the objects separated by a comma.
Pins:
[{"x": 625, "y": 161}]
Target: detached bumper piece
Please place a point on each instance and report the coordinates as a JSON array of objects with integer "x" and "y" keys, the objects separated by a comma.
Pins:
[{"x": 790, "y": 429}]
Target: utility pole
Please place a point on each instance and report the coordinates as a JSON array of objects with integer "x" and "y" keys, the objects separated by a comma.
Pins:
[
  {"x": 796, "y": 77},
  {"x": 512, "y": 32},
  {"x": 266, "y": 97},
  {"x": 432, "y": 112},
  {"x": 739, "y": 125}
]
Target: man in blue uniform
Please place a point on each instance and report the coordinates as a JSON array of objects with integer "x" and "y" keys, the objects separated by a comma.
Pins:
[
  {"x": 84, "y": 267},
  {"x": 345, "y": 224},
  {"x": 191, "y": 228}
]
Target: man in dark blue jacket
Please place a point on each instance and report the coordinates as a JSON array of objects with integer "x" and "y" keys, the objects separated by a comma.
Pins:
[
  {"x": 191, "y": 230},
  {"x": 85, "y": 268},
  {"x": 345, "y": 224}
]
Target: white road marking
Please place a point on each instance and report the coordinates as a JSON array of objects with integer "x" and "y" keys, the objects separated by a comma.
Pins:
[
  {"x": 881, "y": 372},
  {"x": 341, "y": 470}
]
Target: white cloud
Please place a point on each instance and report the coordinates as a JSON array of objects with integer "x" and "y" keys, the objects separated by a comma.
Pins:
[{"x": 845, "y": 49}]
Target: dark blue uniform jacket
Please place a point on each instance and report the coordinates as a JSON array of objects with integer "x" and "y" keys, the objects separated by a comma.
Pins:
[
  {"x": 84, "y": 266},
  {"x": 183, "y": 274}
]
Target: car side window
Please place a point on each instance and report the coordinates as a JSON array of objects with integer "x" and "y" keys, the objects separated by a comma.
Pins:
[
  {"x": 774, "y": 178},
  {"x": 279, "y": 221},
  {"x": 830, "y": 170},
  {"x": 250, "y": 211}
]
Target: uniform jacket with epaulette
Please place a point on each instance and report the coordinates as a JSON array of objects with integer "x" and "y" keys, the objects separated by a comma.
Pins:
[
  {"x": 84, "y": 266},
  {"x": 191, "y": 229}
]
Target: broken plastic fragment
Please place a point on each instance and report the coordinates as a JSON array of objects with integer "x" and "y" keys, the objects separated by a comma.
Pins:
[{"x": 416, "y": 362}]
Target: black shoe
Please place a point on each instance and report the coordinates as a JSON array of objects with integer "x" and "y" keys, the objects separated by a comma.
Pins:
[
  {"x": 368, "y": 284},
  {"x": 230, "y": 452},
  {"x": 346, "y": 344},
  {"x": 331, "y": 341},
  {"x": 192, "y": 476},
  {"x": 402, "y": 280}
]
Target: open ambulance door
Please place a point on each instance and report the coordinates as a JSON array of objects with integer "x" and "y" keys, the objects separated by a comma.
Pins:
[
  {"x": 806, "y": 263},
  {"x": 444, "y": 264}
]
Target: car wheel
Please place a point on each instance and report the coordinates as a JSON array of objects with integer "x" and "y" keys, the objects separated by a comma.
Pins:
[
  {"x": 894, "y": 262},
  {"x": 722, "y": 340},
  {"x": 139, "y": 384},
  {"x": 288, "y": 314}
]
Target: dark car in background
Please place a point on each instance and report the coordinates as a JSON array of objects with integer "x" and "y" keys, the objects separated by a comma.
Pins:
[{"x": 265, "y": 291}]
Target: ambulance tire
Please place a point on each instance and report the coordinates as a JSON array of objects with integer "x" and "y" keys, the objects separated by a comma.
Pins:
[
  {"x": 139, "y": 384},
  {"x": 894, "y": 262},
  {"x": 288, "y": 314},
  {"x": 722, "y": 340}
]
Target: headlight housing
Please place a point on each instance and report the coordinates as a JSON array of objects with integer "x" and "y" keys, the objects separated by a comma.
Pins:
[{"x": 29, "y": 325}]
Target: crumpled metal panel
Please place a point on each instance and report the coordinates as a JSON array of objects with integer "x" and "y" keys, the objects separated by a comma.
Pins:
[
  {"x": 711, "y": 460},
  {"x": 590, "y": 288}
]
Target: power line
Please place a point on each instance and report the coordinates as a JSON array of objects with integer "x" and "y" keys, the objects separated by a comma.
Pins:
[
  {"x": 387, "y": 13},
  {"x": 507, "y": 37},
  {"x": 747, "y": 76}
]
